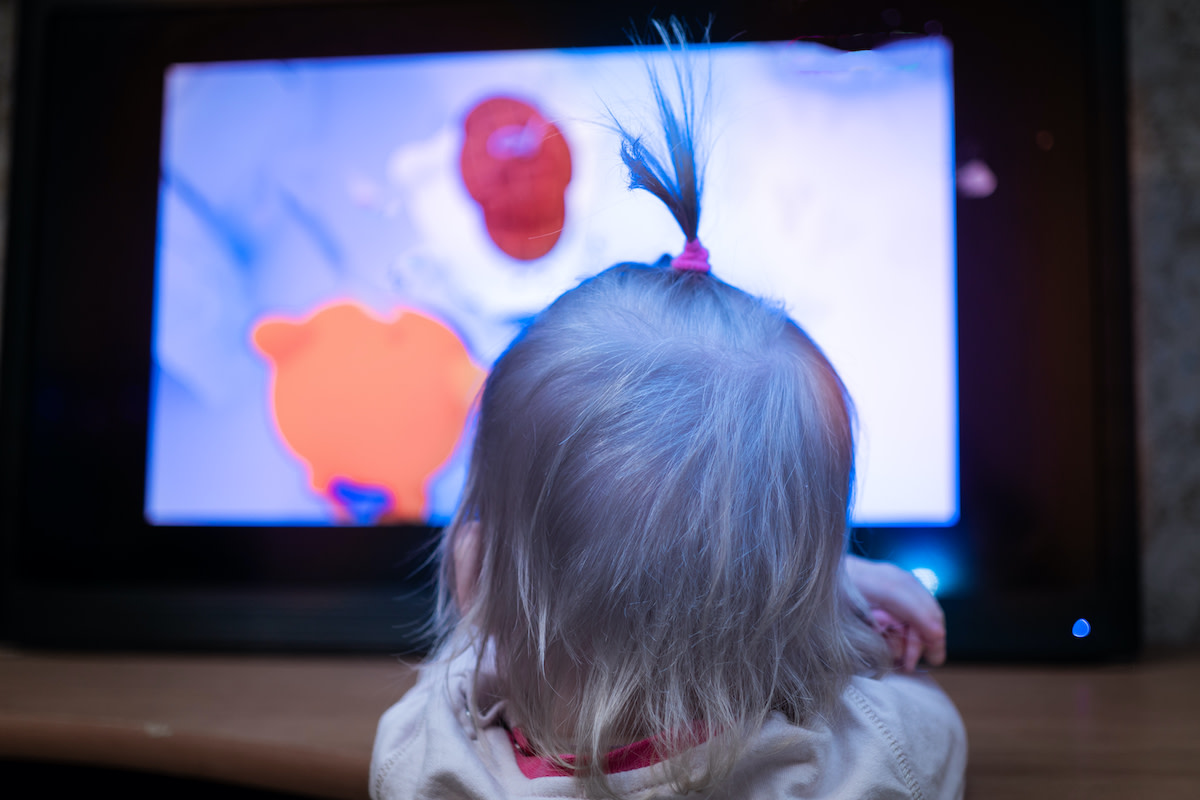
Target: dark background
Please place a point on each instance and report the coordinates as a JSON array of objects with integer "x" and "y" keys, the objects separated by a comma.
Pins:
[{"x": 1164, "y": 68}]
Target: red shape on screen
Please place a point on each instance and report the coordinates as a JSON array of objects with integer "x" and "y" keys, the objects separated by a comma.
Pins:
[{"x": 516, "y": 165}]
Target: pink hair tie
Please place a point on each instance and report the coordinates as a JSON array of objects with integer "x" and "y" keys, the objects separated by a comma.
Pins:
[{"x": 694, "y": 257}]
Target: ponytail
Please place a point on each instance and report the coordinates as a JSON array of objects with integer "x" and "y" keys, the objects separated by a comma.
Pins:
[{"x": 672, "y": 172}]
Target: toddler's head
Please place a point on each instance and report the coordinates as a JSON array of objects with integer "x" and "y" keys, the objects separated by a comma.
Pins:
[{"x": 655, "y": 517}]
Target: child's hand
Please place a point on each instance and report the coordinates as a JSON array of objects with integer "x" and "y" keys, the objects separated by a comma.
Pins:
[{"x": 903, "y": 611}]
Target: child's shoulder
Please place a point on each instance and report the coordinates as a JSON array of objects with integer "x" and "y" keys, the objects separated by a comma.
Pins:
[
  {"x": 428, "y": 736},
  {"x": 908, "y": 702},
  {"x": 919, "y": 725},
  {"x": 898, "y": 736}
]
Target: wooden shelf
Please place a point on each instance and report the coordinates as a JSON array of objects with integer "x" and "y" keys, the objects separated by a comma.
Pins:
[
  {"x": 304, "y": 725},
  {"x": 1098, "y": 732}
]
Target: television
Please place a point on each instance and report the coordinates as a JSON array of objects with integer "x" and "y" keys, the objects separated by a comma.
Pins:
[{"x": 262, "y": 255}]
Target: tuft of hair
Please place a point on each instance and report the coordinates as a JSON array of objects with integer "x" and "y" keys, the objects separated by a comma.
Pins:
[
  {"x": 671, "y": 170},
  {"x": 661, "y": 476}
]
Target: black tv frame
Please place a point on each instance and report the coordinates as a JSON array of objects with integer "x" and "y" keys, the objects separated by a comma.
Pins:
[{"x": 1048, "y": 486}]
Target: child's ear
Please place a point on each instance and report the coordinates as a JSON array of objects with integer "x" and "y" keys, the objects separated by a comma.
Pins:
[{"x": 466, "y": 563}]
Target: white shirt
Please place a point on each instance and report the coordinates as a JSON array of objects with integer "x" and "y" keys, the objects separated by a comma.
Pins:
[{"x": 895, "y": 737}]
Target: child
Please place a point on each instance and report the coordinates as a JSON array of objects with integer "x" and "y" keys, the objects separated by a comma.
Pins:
[{"x": 646, "y": 590}]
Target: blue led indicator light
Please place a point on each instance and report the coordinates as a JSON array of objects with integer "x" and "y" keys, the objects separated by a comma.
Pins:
[{"x": 1081, "y": 628}]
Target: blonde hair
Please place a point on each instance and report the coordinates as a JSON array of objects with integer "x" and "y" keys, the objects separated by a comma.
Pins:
[{"x": 661, "y": 476}]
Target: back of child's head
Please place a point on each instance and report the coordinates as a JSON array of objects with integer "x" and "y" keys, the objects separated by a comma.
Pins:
[{"x": 660, "y": 479}]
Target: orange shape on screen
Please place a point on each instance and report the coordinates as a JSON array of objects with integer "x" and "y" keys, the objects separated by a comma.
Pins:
[
  {"x": 368, "y": 402},
  {"x": 516, "y": 165}
]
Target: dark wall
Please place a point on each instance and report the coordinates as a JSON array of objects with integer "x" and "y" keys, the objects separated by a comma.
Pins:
[{"x": 1164, "y": 123}]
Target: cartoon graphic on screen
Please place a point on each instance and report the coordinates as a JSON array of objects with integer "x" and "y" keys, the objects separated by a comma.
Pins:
[
  {"x": 346, "y": 245},
  {"x": 516, "y": 166},
  {"x": 372, "y": 407}
]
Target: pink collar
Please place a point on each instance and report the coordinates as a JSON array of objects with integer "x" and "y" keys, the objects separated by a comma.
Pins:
[{"x": 640, "y": 754}]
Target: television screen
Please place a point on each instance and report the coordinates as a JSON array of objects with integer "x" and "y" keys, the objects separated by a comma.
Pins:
[{"x": 344, "y": 247}]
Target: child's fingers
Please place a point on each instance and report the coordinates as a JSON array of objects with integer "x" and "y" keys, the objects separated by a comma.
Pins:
[
  {"x": 931, "y": 629},
  {"x": 930, "y": 640},
  {"x": 903, "y": 641},
  {"x": 904, "y": 611},
  {"x": 894, "y": 633},
  {"x": 912, "y": 649},
  {"x": 898, "y": 592},
  {"x": 916, "y": 604},
  {"x": 935, "y": 647}
]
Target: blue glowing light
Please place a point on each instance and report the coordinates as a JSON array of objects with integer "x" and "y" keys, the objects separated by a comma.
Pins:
[
  {"x": 937, "y": 568},
  {"x": 1081, "y": 628},
  {"x": 927, "y": 577}
]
